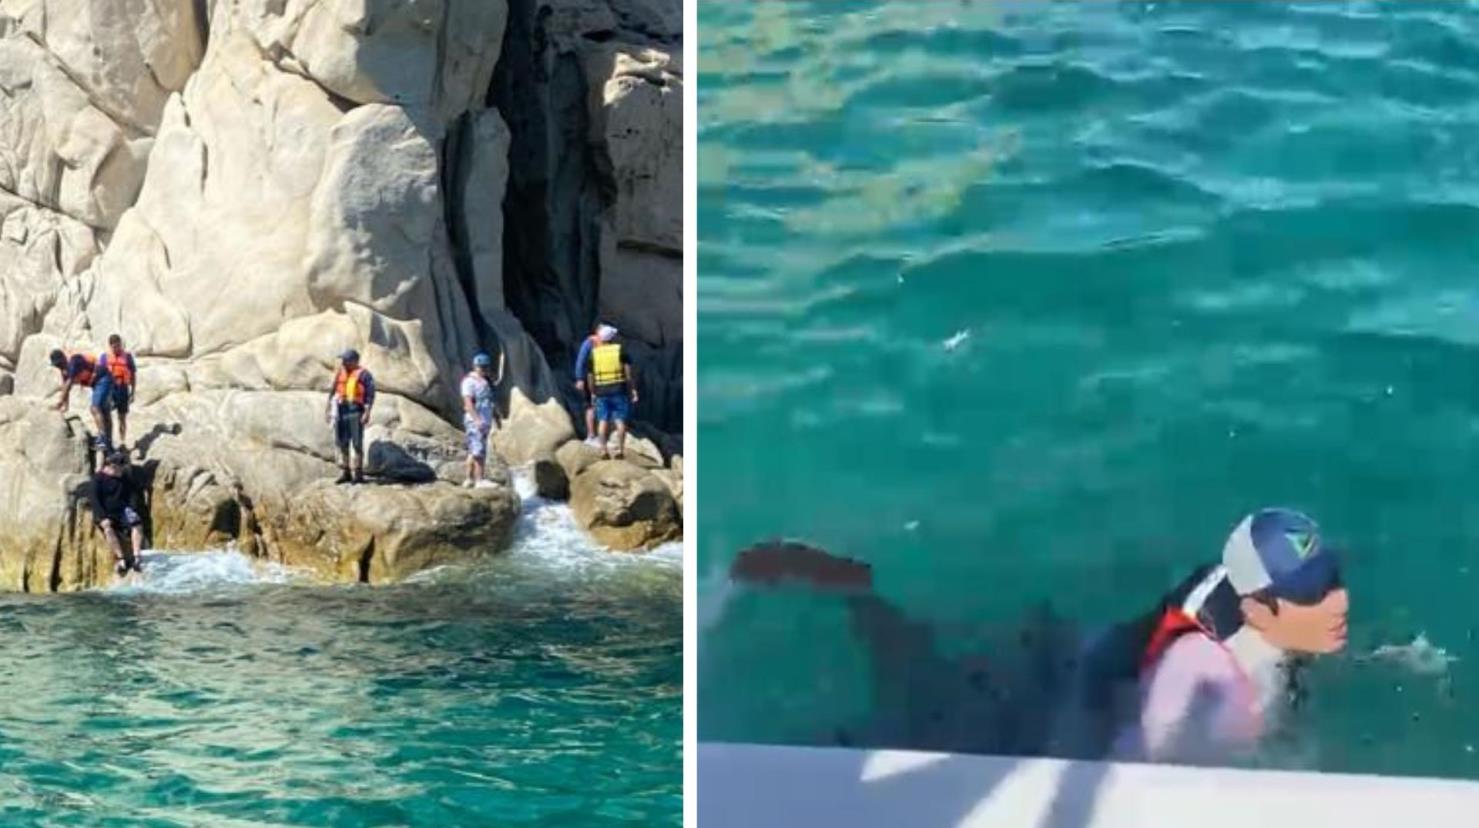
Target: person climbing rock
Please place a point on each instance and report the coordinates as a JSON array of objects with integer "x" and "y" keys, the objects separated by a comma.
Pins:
[
  {"x": 350, "y": 402},
  {"x": 610, "y": 381},
  {"x": 80, "y": 370},
  {"x": 118, "y": 366},
  {"x": 114, "y": 497},
  {"x": 582, "y": 360},
  {"x": 479, "y": 415}
]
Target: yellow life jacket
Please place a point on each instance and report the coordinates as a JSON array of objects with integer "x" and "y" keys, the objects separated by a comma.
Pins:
[{"x": 610, "y": 375}]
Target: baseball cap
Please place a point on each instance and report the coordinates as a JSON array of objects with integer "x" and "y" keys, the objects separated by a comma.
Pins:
[
  {"x": 350, "y": 355},
  {"x": 482, "y": 359},
  {"x": 1280, "y": 551}
]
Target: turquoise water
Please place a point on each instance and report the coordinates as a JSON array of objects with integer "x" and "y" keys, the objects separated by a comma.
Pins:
[
  {"x": 544, "y": 688},
  {"x": 1026, "y": 302}
]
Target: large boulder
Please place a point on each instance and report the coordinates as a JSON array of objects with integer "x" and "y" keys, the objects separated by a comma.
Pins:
[
  {"x": 127, "y": 55},
  {"x": 576, "y": 456},
  {"x": 532, "y": 430},
  {"x": 376, "y": 534},
  {"x": 246, "y": 468},
  {"x": 436, "y": 55},
  {"x": 624, "y": 507}
]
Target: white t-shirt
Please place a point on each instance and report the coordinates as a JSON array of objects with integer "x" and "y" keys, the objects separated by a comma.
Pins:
[
  {"x": 481, "y": 392},
  {"x": 1198, "y": 704}
]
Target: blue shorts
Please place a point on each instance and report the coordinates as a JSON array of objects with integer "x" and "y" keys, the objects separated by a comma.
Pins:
[
  {"x": 102, "y": 394},
  {"x": 120, "y": 399},
  {"x": 610, "y": 407}
]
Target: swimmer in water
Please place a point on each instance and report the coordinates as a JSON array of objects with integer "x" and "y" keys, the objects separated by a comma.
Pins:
[{"x": 1203, "y": 670}]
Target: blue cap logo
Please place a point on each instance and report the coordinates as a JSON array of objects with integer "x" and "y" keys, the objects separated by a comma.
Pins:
[{"x": 1303, "y": 543}]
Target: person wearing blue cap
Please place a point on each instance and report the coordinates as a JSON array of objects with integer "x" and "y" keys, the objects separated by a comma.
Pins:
[
  {"x": 479, "y": 414},
  {"x": 350, "y": 402},
  {"x": 1220, "y": 647}
]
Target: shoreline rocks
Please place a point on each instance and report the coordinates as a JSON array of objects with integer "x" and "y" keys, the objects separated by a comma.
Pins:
[{"x": 242, "y": 190}]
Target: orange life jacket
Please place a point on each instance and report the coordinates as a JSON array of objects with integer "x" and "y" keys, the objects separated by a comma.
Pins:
[
  {"x": 89, "y": 371},
  {"x": 348, "y": 386},
  {"x": 1206, "y": 604},
  {"x": 123, "y": 376}
]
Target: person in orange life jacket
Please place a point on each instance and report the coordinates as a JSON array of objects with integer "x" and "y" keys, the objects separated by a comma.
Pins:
[
  {"x": 610, "y": 380},
  {"x": 77, "y": 369},
  {"x": 114, "y": 500},
  {"x": 118, "y": 377},
  {"x": 1219, "y": 650},
  {"x": 350, "y": 402},
  {"x": 582, "y": 360}
]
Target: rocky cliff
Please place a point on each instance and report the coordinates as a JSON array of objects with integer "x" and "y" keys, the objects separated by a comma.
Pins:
[{"x": 242, "y": 188}]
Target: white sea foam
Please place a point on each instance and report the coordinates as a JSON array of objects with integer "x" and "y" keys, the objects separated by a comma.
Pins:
[
  {"x": 548, "y": 533},
  {"x": 1420, "y": 656},
  {"x": 180, "y": 572}
]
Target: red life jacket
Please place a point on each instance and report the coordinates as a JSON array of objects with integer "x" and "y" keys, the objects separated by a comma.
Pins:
[
  {"x": 349, "y": 387},
  {"x": 123, "y": 376},
  {"x": 87, "y": 375},
  {"x": 1205, "y": 604}
]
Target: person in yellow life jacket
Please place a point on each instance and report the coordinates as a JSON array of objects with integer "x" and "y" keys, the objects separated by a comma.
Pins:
[
  {"x": 79, "y": 370},
  {"x": 350, "y": 402},
  {"x": 114, "y": 391},
  {"x": 610, "y": 381},
  {"x": 1219, "y": 649}
]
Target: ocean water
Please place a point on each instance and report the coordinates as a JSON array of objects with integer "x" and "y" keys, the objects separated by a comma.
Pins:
[
  {"x": 1028, "y": 303},
  {"x": 541, "y": 688}
]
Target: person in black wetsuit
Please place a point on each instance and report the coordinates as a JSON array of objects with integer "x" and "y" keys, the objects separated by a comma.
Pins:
[{"x": 114, "y": 498}]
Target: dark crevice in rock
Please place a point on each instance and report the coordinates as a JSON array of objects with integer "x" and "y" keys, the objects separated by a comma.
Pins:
[
  {"x": 456, "y": 151},
  {"x": 554, "y": 199},
  {"x": 364, "y": 561},
  {"x": 203, "y": 23},
  {"x": 654, "y": 249},
  {"x": 54, "y": 581}
]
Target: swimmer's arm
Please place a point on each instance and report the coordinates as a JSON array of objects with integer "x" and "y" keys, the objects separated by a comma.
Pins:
[{"x": 1185, "y": 698}]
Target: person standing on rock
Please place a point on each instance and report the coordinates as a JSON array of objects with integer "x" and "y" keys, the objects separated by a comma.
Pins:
[
  {"x": 348, "y": 410},
  {"x": 78, "y": 369},
  {"x": 479, "y": 415},
  {"x": 582, "y": 361},
  {"x": 610, "y": 381},
  {"x": 114, "y": 498},
  {"x": 117, "y": 366}
]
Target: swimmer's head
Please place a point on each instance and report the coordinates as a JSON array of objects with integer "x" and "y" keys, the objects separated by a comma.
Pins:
[{"x": 1289, "y": 582}]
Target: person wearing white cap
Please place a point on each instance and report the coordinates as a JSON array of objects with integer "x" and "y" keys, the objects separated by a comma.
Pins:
[
  {"x": 1219, "y": 652},
  {"x": 610, "y": 380},
  {"x": 602, "y": 333}
]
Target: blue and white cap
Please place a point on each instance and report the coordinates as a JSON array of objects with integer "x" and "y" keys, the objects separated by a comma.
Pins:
[{"x": 1280, "y": 550}]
